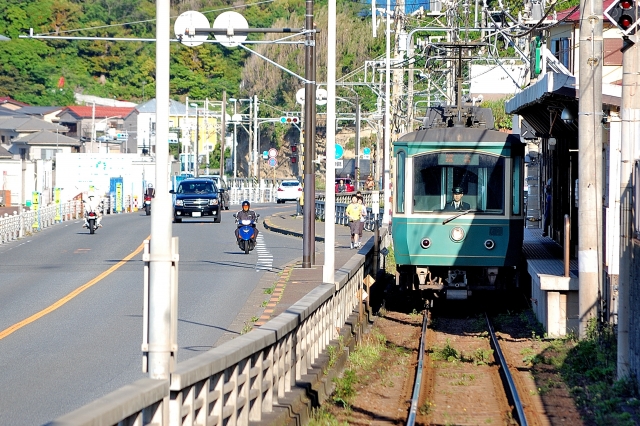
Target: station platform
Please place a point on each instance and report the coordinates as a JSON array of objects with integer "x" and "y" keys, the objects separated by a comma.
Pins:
[{"x": 554, "y": 297}]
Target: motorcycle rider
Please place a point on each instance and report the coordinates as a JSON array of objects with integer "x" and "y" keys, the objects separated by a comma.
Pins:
[
  {"x": 247, "y": 214},
  {"x": 93, "y": 203}
]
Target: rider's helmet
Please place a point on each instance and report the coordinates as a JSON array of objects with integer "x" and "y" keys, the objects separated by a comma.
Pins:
[{"x": 246, "y": 205}]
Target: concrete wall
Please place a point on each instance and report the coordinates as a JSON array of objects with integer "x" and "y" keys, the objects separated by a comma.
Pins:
[{"x": 634, "y": 313}]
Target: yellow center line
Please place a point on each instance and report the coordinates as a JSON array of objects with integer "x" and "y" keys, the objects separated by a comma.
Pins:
[{"x": 7, "y": 331}]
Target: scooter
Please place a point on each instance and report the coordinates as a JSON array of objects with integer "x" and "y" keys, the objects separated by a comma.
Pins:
[
  {"x": 246, "y": 231},
  {"x": 147, "y": 204}
]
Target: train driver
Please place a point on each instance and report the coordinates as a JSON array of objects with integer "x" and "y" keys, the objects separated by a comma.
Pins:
[{"x": 457, "y": 203}]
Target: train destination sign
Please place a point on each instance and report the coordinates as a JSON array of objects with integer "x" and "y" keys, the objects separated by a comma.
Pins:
[{"x": 458, "y": 159}]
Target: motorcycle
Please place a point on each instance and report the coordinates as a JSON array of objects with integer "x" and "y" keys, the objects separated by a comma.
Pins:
[
  {"x": 246, "y": 231},
  {"x": 91, "y": 218},
  {"x": 147, "y": 204}
]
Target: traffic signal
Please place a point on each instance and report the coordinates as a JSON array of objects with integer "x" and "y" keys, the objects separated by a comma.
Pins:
[
  {"x": 623, "y": 14},
  {"x": 289, "y": 120},
  {"x": 294, "y": 160},
  {"x": 294, "y": 149}
]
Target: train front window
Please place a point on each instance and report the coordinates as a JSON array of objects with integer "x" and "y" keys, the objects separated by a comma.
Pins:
[{"x": 477, "y": 180}]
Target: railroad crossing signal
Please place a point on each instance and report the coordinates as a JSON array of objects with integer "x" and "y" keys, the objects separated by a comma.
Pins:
[
  {"x": 624, "y": 15},
  {"x": 289, "y": 120}
]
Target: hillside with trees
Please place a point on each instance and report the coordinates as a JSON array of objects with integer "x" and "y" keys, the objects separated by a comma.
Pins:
[{"x": 48, "y": 72}]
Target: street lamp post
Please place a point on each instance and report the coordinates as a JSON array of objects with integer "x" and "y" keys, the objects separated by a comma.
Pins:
[
  {"x": 197, "y": 142},
  {"x": 235, "y": 133}
]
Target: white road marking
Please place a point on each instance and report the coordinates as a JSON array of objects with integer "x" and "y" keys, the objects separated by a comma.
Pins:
[{"x": 265, "y": 259}]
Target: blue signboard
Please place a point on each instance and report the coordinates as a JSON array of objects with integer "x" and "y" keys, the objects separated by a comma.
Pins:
[
  {"x": 339, "y": 151},
  {"x": 366, "y": 151}
]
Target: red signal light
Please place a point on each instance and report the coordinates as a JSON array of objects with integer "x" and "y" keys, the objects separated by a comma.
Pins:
[
  {"x": 294, "y": 160},
  {"x": 623, "y": 14},
  {"x": 294, "y": 149}
]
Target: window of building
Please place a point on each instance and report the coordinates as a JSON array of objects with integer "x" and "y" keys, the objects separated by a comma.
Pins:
[{"x": 561, "y": 49}]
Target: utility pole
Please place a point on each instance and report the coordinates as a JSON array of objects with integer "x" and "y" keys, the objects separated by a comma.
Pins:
[
  {"x": 357, "y": 173},
  {"x": 160, "y": 259},
  {"x": 630, "y": 132},
  {"x": 223, "y": 132},
  {"x": 255, "y": 137},
  {"x": 386, "y": 160},
  {"x": 328, "y": 271},
  {"x": 309, "y": 214},
  {"x": 196, "y": 164},
  {"x": 590, "y": 162}
]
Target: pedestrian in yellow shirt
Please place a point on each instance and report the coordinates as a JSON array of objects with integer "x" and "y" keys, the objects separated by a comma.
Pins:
[{"x": 354, "y": 212}]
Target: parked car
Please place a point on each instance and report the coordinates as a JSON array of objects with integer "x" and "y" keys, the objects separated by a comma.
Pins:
[
  {"x": 288, "y": 190},
  {"x": 196, "y": 197},
  {"x": 348, "y": 183},
  {"x": 223, "y": 190}
]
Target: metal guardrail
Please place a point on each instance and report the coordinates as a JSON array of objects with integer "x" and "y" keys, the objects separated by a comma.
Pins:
[{"x": 243, "y": 379}]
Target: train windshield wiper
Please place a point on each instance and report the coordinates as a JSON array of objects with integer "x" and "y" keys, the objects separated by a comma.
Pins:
[{"x": 458, "y": 215}]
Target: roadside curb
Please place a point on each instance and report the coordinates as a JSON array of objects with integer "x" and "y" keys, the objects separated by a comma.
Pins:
[{"x": 276, "y": 295}]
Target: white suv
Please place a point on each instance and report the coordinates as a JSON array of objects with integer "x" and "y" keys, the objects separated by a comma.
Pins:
[{"x": 288, "y": 190}]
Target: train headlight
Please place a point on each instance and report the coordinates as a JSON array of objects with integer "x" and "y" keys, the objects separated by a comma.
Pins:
[
  {"x": 425, "y": 243},
  {"x": 489, "y": 244},
  {"x": 457, "y": 234}
]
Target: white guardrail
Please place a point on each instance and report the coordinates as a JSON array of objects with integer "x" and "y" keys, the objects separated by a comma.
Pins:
[
  {"x": 14, "y": 226},
  {"x": 243, "y": 379},
  {"x": 17, "y": 225}
]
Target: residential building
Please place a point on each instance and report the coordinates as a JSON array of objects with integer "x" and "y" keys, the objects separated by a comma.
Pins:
[{"x": 99, "y": 127}]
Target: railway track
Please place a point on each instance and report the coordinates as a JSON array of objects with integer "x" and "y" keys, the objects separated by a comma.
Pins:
[{"x": 465, "y": 379}]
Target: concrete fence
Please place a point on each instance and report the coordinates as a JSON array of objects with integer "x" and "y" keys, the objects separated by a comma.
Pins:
[{"x": 244, "y": 380}]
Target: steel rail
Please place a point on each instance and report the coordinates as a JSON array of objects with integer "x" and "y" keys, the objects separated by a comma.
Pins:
[
  {"x": 511, "y": 386},
  {"x": 413, "y": 411}
]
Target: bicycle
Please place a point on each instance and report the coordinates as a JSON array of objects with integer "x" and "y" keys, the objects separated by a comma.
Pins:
[{"x": 370, "y": 221}]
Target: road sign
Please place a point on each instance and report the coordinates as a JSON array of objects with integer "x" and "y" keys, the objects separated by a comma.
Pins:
[
  {"x": 273, "y": 153},
  {"x": 339, "y": 152},
  {"x": 300, "y": 96},
  {"x": 189, "y": 21},
  {"x": 366, "y": 151},
  {"x": 231, "y": 21},
  {"x": 339, "y": 164},
  {"x": 265, "y": 155},
  {"x": 273, "y": 162},
  {"x": 366, "y": 157},
  {"x": 321, "y": 97}
]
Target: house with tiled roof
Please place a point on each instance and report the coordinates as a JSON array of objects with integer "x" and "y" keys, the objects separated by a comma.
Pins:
[
  {"x": 141, "y": 124},
  {"x": 47, "y": 113},
  {"x": 20, "y": 126},
  {"x": 43, "y": 145},
  {"x": 11, "y": 104},
  {"x": 89, "y": 123}
]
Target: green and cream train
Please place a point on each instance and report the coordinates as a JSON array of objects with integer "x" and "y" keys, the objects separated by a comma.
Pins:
[{"x": 458, "y": 213}]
